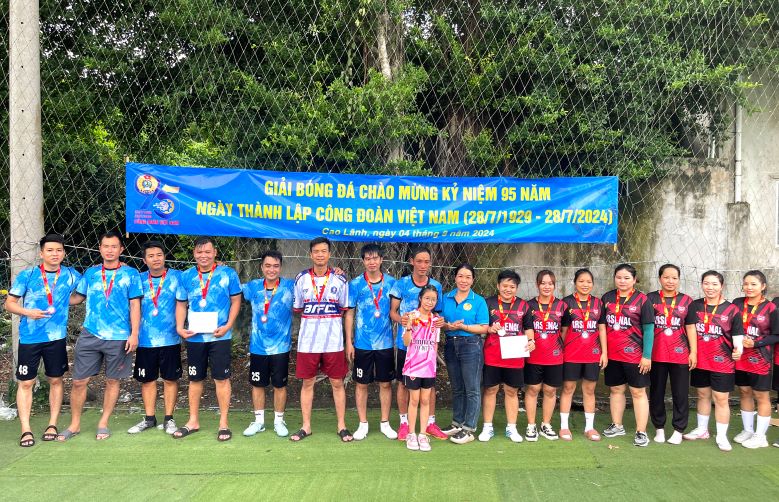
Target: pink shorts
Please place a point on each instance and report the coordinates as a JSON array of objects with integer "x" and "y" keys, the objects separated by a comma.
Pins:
[{"x": 332, "y": 364}]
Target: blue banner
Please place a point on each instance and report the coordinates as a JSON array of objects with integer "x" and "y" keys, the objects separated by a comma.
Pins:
[{"x": 348, "y": 207}]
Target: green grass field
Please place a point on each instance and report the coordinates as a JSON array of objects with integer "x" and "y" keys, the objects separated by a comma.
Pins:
[{"x": 152, "y": 466}]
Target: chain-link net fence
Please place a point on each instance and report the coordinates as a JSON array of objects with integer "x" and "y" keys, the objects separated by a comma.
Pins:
[{"x": 643, "y": 89}]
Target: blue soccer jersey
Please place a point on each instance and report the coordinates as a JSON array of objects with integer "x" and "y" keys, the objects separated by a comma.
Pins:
[
  {"x": 371, "y": 332},
  {"x": 159, "y": 330},
  {"x": 108, "y": 301},
  {"x": 274, "y": 336},
  {"x": 407, "y": 292},
  {"x": 29, "y": 286},
  {"x": 223, "y": 286}
]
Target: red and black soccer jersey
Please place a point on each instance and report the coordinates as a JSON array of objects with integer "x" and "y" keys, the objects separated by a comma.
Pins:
[
  {"x": 582, "y": 343},
  {"x": 515, "y": 320},
  {"x": 715, "y": 339},
  {"x": 776, "y": 347},
  {"x": 671, "y": 344},
  {"x": 624, "y": 337},
  {"x": 758, "y": 321},
  {"x": 547, "y": 323}
]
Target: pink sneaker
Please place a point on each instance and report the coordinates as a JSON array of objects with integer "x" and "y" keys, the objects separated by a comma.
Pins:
[
  {"x": 402, "y": 432},
  {"x": 436, "y": 431},
  {"x": 697, "y": 434},
  {"x": 424, "y": 442},
  {"x": 411, "y": 442}
]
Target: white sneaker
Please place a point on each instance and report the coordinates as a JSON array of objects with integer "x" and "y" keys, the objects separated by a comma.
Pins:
[
  {"x": 280, "y": 428},
  {"x": 424, "y": 442},
  {"x": 169, "y": 426},
  {"x": 486, "y": 434},
  {"x": 361, "y": 432},
  {"x": 411, "y": 441},
  {"x": 531, "y": 434},
  {"x": 743, "y": 436},
  {"x": 254, "y": 428},
  {"x": 660, "y": 436},
  {"x": 723, "y": 443},
  {"x": 696, "y": 434},
  {"x": 756, "y": 441},
  {"x": 514, "y": 435},
  {"x": 388, "y": 431},
  {"x": 676, "y": 438},
  {"x": 141, "y": 426}
]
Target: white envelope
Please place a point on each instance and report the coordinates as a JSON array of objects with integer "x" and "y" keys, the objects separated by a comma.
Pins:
[
  {"x": 202, "y": 322},
  {"x": 513, "y": 347}
]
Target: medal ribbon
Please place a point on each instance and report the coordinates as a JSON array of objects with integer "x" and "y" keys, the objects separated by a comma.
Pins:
[
  {"x": 706, "y": 322},
  {"x": 548, "y": 310},
  {"x": 375, "y": 298},
  {"x": 665, "y": 308},
  {"x": 319, "y": 292},
  {"x": 204, "y": 287},
  {"x": 266, "y": 306},
  {"x": 618, "y": 307},
  {"x": 107, "y": 289},
  {"x": 747, "y": 316},
  {"x": 500, "y": 307},
  {"x": 155, "y": 296},
  {"x": 585, "y": 314},
  {"x": 50, "y": 291}
]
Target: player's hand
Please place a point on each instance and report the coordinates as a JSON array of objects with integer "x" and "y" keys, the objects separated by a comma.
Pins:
[
  {"x": 531, "y": 345},
  {"x": 404, "y": 319},
  {"x": 185, "y": 333},
  {"x": 339, "y": 271},
  {"x": 452, "y": 326},
  {"x": 644, "y": 366},
  {"x": 349, "y": 352},
  {"x": 604, "y": 361},
  {"x": 220, "y": 331},
  {"x": 748, "y": 343},
  {"x": 494, "y": 327},
  {"x": 439, "y": 323},
  {"x": 36, "y": 314},
  {"x": 693, "y": 361},
  {"x": 131, "y": 344},
  {"x": 737, "y": 354}
]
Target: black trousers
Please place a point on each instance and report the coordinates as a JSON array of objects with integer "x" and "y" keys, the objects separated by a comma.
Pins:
[{"x": 680, "y": 387}]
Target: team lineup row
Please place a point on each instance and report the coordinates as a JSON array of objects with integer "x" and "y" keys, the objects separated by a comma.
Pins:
[{"x": 542, "y": 344}]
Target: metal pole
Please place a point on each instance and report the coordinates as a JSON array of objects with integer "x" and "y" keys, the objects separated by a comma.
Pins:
[{"x": 25, "y": 149}]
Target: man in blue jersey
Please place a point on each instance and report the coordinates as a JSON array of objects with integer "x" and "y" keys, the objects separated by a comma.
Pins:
[
  {"x": 369, "y": 341},
  {"x": 405, "y": 298},
  {"x": 213, "y": 294},
  {"x": 159, "y": 345},
  {"x": 110, "y": 334},
  {"x": 271, "y": 298},
  {"x": 40, "y": 296}
]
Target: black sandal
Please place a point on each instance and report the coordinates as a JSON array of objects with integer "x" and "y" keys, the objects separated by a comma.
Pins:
[
  {"x": 26, "y": 443},
  {"x": 300, "y": 435},
  {"x": 224, "y": 432},
  {"x": 183, "y": 432},
  {"x": 343, "y": 434},
  {"x": 48, "y": 436}
]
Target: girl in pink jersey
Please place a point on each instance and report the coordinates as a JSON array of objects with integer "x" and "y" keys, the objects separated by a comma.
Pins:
[{"x": 421, "y": 337}]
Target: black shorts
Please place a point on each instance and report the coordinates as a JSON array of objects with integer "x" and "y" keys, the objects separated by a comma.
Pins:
[
  {"x": 581, "y": 371},
  {"x": 621, "y": 373},
  {"x": 551, "y": 375},
  {"x": 264, "y": 370},
  {"x": 757, "y": 382},
  {"x": 775, "y": 383},
  {"x": 153, "y": 362},
  {"x": 55, "y": 359},
  {"x": 719, "y": 382},
  {"x": 400, "y": 360},
  {"x": 204, "y": 355},
  {"x": 416, "y": 383},
  {"x": 494, "y": 375},
  {"x": 373, "y": 365}
]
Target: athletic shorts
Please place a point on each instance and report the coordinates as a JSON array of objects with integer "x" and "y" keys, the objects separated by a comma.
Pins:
[
  {"x": 551, "y": 374},
  {"x": 719, "y": 382},
  {"x": 373, "y": 365},
  {"x": 204, "y": 355},
  {"x": 757, "y": 382},
  {"x": 400, "y": 361},
  {"x": 55, "y": 359},
  {"x": 495, "y": 375},
  {"x": 332, "y": 364},
  {"x": 621, "y": 373},
  {"x": 581, "y": 371},
  {"x": 775, "y": 383},
  {"x": 90, "y": 353},
  {"x": 153, "y": 362},
  {"x": 267, "y": 369},
  {"x": 416, "y": 383}
]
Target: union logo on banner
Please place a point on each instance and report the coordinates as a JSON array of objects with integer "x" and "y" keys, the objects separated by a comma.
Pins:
[{"x": 158, "y": 194}]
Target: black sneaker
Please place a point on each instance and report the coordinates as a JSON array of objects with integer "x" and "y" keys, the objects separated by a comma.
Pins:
[
  {"x": 451, "y": 429},
  {"x": 462, "y": 436},
  {"x": 142, "y": 426}
]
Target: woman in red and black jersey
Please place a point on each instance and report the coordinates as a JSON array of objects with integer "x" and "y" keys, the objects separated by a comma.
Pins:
[
  {"x": 544, "y": 368},
  {"x": 628, "y": 321},
  {"x": 753, "y": 370},
  {"x": 719, "y": 344},
  {"x": 584, "y": 352},
  {"x": 670, "y": 355}
]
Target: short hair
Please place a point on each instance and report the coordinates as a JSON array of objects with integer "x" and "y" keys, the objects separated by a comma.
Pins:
[
  {"x": 203, "y": 240},
  {"x": 417, "y": 250},
  {"x": 112, "y": 234},
  {"x": 271, "y": 253},
  {"x": 509, "y": 275},
  {"x": 627, "y": 267},
  {"x": 581, "y": 272},
  {"x": 425, "y": 289},
  {"x": 57, "y": 238},
  {"x": 540, "y": 276},
  {"x": 713, "y": 273},
  {"x": 320, "y": 240},
  {"x": 465, "y": 266},
  {"x": 371, "y": 248},
  {"x": 152, "y": 244},
  {"x": 666, "y": 267}
]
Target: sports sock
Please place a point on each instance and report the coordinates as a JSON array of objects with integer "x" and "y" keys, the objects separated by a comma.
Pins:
[
  {"x": 151, "y": 418},
  {"x": 512, "y": 427},
  {"x": 403, "y": 418},
  {"x": 748, "y": 419},
  {"x": 703, "y": 422},
  {"x": 168, "y": 417},
  {"x": 278, "y": 416},
  {"x": 722, "y": 430},
  {"x": 431, "y": 420},
  {"x": 589, "y": 421},
  {"x": 564, "y": 420},
  {"x": 487, "y": 425},
  {"x": 259, "y": 416},
  {"x": 762, "y": 424}
]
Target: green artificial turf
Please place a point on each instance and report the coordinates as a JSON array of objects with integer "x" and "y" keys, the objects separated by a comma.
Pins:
[{"x": 152, "y": 466}]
